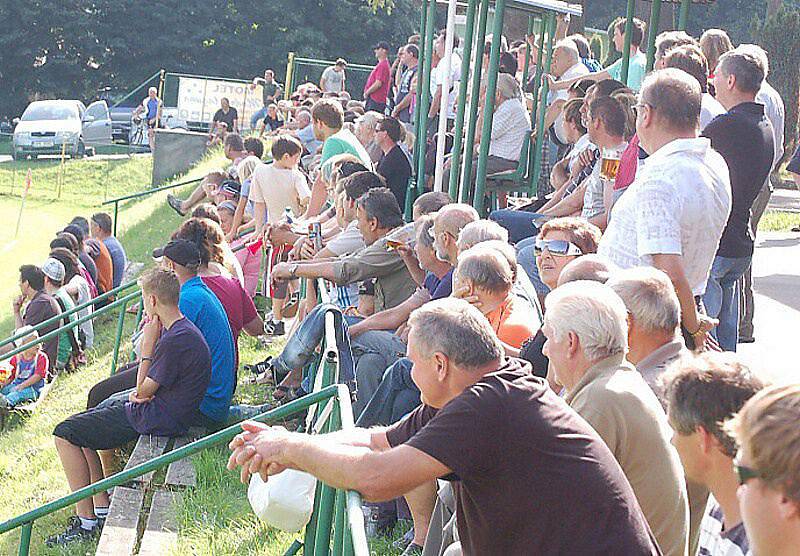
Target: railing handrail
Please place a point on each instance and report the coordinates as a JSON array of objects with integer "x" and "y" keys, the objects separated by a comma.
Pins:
[
  {"x": 146, "y": 192},
  {"x": 72, "y": 324},
  {"x": 224, "y": 435},
  {"x": 76, "y": 309},
  {"x": 318, "y": 62}
]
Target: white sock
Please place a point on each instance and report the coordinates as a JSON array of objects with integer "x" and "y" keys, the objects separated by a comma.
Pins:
[
  {"x": 88, "y": 524},
  {"x": 101, "y": 512}
]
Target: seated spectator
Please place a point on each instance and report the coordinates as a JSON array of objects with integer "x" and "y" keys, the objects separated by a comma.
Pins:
[
  {"x": 68, "y": 241},
  {"x": 170, "y": 384},
  {"x": 68, "y": 347},
  {"x": 654, "y": 317},
  {"x": 249, "y": 261},
  {"x": 378, "y": 214},
  {"x": 78, "y": 289},
  {"x": 586, "y": 331},
  {"x": 394, "y": 165},
  {"x": 365, "y": 130},
  {"x": 461, "y": 431},
  {"x": 225, "y": 120},
  {"x": 39, "y": 306},
  {"x": 767, "y": 465},
  {"x": 305, "y": 132},
  {"x": 272, "y": 121},
  {"x": 28, "y": 371},
  {"x": 101, "y": 225},
  {"x": 83, "y": 256},
  {"x": 702, "y": 392}
]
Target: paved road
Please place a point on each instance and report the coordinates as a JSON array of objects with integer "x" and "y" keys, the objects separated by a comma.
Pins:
[
  {"x": 7, "y": 157},
  {"x": 776, "y": 274}
]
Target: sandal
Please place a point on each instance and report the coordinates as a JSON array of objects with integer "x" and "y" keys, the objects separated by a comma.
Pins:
[
  {"x": 260, "y": 367},
  {"x": 288, "y": 393}
]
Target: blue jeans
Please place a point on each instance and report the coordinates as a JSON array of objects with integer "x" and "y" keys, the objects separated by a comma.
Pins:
[
  {"x": 374, "y": 351},
  {"x": 722, "y": 298},
  {"x": 526, "y": 257},
  {"x": 518, "y": 223},
  {"x": 301, "y": 346},
  {"x": 257, "y": 116},
  {"x": 396, "y": 396},
  {"x": 15, "y": 397}
]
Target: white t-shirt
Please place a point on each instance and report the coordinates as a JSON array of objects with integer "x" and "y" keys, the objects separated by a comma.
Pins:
[
  {"x": 332, "y": 80},
  {"x": 575, "y": 71},
  {"x": 678, "y": 205},
  {"x": 455, "y": 78},
  {"x": 278, "y": 188},
  {"x": 776, "y": 114}
]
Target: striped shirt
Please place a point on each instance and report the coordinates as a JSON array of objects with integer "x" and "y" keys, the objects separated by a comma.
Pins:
[{"x": 714, "y": 541}]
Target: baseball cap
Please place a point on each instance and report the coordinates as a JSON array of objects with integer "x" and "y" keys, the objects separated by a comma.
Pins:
[
  {"x": 231, "y": 189},
  {"x": 382, "y": 44},
  {"x": 180, "y": 251},
  {"x": 54, "y": 269}
]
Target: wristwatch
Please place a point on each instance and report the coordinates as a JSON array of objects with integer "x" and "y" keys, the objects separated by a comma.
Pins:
[{"x": 293, "y": 271}]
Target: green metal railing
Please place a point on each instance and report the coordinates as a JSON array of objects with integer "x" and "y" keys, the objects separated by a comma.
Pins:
[{"x": 144, "y": 193}]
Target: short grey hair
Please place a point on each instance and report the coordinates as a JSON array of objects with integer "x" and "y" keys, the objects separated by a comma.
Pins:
[
  {"x": 453, "y": 217},
  {"x": 675, "y": 96},
  {"x": 745, "y": 67},
  {"x": 423, "y": 228},
  {"x": 594, "y": 313},
  {"x": 463, "y": 334},
  {"x": 568, "y": 45},
  {"x": 508, "y": 86},
  {"x": 649, "y": 296},
  {"x": 480, "y": 231},
  {"x": 759, "y": 53},
  {"x": 487, "y": 268}
]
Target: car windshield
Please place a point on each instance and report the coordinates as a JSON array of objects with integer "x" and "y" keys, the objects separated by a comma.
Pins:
[{"x": 50, "y": 112}]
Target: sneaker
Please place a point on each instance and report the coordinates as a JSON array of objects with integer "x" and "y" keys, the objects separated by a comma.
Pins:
[
  {"x": 274, "y": 328},
  {"x": 175, "y": 203},
  {"x": 261, "y": 367},
  {"x": 73, "y": 533}
]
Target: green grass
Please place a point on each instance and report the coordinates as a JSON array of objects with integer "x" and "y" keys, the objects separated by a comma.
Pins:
[{"x": 779, "y": 221}]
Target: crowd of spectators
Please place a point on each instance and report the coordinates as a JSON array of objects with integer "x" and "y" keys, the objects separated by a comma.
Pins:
[{"x": 547, "y": 380}]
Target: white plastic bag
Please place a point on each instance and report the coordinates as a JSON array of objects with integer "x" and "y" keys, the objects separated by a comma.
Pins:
[{"x": 286, "y": 501}]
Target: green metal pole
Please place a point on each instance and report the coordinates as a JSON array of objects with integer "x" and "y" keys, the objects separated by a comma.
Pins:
[
  {"x": 683, "y": 18},
  {"x": 338, "y": 523},
  {"x": 488, "y": 108},
  {"x": 474, "y": 98},
  {"x": 655, "y": 16},
  {"x": 311, "y": 528},
  {"x": 118, "y": 339},
  {"x": 322, "y": 538},
  {"x": 626, "y": 48},
  {"x": 537, "y": 79},
  {"x": 25, "y": 539},
  {"x": 458, "y": 128},
  {"x": 549, "y": 25},
  {"x": 116, "y": 214},
  {"x": 420, "y": 66},
  {"x": 423, "y": 101},
  {"x": 140, "y": 312}
]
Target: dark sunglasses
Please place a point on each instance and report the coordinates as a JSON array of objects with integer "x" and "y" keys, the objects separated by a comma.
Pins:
[
  {"x": 558, "y": 247},
  {"x": 744, "y": 473}
]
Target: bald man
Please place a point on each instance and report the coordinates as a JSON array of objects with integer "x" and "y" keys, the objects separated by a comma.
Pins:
[{"x": 447, "y": 225}]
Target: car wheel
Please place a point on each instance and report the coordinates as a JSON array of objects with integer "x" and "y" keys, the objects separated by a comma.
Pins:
[
  {"x": 80, "y": 150},
  {"x": 34, "y": 156}
]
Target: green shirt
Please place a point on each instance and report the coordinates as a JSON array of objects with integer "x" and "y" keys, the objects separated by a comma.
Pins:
[
  {"x": 343, "y": 141},
  {"x": 64, "y": 342},
  {"x": 636, "y": 70},
  {"x": 268, "y": 91}
]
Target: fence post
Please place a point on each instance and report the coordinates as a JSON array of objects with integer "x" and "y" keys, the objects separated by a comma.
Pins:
[
  {"x": 116, "y": 213},
  {"x": 61, "y": 168},
  {"x": 118, "y": 339},
  {"x": 25, "y": 539}
]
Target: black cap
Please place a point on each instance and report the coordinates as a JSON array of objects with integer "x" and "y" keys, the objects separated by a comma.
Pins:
[
  {"x": 74, "y": 230},
  {"x": 179, "y": 251},
  {"x": 382, "y": 44}
]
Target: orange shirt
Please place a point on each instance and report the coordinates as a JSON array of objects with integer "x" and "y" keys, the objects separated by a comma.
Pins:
[
  {"x": 512, "y": 323},
  {"x": 105, "y": 269}
]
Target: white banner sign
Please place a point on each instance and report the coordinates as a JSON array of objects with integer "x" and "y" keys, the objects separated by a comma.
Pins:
[{"x": 199, "y": 99}]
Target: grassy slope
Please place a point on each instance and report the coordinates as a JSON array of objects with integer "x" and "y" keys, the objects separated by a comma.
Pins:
[
  {"x": 30, "y": 472},
  {"x": 779, "y": 221}
]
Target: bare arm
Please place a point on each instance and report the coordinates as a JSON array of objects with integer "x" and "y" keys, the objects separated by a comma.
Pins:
[
  {"x": 569, "y": 204},
  {"x": 255, "y": 327},
  {"x": 390, "y": 319}
]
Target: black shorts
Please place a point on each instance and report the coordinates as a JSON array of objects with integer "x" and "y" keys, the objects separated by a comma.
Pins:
[
  {"x": 152, "y": 124},
  {"x": 98, "y": 428}
]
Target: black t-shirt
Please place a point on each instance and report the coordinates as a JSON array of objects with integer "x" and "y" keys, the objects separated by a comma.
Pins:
[
  {"x": 229, "y": 118},
  {"x": 395, "y": 167},
  {"x": 42, "y": 307},
  {"x": 271, "y": 124},
  {"x": 744, "y": 138},
  {"x": 530, "y": 475},
  {"x": 531, "y": 351}
]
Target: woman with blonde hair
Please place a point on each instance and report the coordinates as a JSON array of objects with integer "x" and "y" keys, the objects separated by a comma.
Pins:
[{"x": 714, "y": 43}]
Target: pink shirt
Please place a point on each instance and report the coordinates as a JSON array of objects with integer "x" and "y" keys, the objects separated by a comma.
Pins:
[
  {"x": 381, "y": 72},
  {"x": 238, "y": 305},
  {"x": 628, "y": 163},
  {"x": 251, "y": 266}
]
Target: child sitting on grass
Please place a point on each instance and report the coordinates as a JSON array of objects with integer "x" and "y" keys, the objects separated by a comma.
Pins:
[{"x": 28, "y": 372}]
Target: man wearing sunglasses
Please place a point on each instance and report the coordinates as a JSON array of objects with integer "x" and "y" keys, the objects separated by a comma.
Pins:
[
  {"x": 768, "y": 468},
  {"x": 702, "y": 392}
]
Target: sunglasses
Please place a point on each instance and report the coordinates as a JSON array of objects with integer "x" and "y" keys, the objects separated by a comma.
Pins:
[
  {"x": 559, "y": 247},
  {"x": 744, "y": 473}
]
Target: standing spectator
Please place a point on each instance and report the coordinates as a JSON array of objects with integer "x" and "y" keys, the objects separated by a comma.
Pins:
[
  {"x": 225, "y": 120},
  {"x": 40, "y": 307},
  {"x": 768, "y": 465},
  {"x": 744, "y": 137},
  {"x": 270, "y": 92},
  {"x": 508, "y": 501},
  {"x": 333, "y": 78},
  {"x": 690, "y": 59},
  {"x": 172, "y": 377},
  {"x": 585, "y": 326},
  {"x": 376, "y": 90},
  {"x": 404, "y": 96},
  {"x": 54, "y": 274},
  {"x": 703, "y": 392},
  {"x": 152, "y": 107},
  {"x": 714, "y": 43},
  {"x": 101, "y": 230},
  {"x": 394, "y": 165},
  {"x": 437, "y": 82},
  {"x": 673, "y": 214}
]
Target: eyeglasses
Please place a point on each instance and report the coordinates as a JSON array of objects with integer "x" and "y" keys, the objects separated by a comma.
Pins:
[
  {"x": 637, "y": 108},
  {"x": 745, "y": 473},
  {"x": 558, "y": 247}
]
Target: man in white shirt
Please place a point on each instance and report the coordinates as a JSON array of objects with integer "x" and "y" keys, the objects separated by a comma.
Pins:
[
  {"x": 333, "y": 77},
  {"x": 455, "y": 77},
  {"x": 673, "y": 214},
  {"x": 566, "y": 64}
]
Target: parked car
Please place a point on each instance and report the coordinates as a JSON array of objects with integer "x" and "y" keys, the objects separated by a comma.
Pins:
[{"x": 48, "y": 126}]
